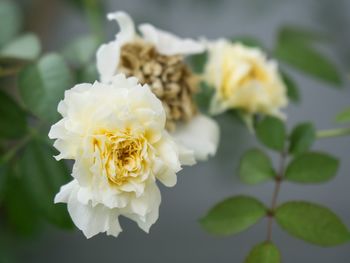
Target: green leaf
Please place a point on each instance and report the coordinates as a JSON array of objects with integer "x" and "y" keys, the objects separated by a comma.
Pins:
[
  {"x": 198, "y": 61},
  {"x": 248, "y": 41},
  {"x": 308, "y": 60},
  {"x": 94, "y": 11},
  {"x": 265, "y": 252},
  {"x": 24, "y": 47},
  {"x": 43, "y": 176},
  {"x": 344, "y": 116},
  {"x": 3, "y": 180},
  {"x": 312, "y": 167},
  {"x": 84, "y": 4},
  {"x": 12, "y": 118},
  {"x": 20, "y": 210},
  {"x": 271, "y": 132},
  {"x": 87, "y": 74},
  {"x": 81, "y": 51},
  {"x": 312, "y": 223},
  {"x": 256, "y": 167},
  {"x": 204, "y": 96},
  {"x": 6, "y": 249},
  {"x": 297, "y": 34},
  {"x": 10, "y": 21},
  {"x": 292, "y": 89},
  {"x": 302, "y": 138},
  {"x": 233, "y": 215},
  {"x": 42, "y": 86}
]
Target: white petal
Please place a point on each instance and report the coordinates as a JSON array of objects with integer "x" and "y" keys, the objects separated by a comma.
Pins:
[
  {"x": 167, "y": 177},
  {"x": 108, "y": 55},
  {"x": 93, "y": 220},
  {"x": 186, "y": 155},
  {"x": 127, "y": 27},
  {"x": 63, "y": 195},
  {"x": 108, "y": 60},
  {"x": 148, "y": 205},
  {"x": 169, "y": 44},
  {"x": 201, "y": 135},
  {"x": 171, "y": 163}
]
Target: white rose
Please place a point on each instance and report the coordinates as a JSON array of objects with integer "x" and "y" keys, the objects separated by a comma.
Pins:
[
  {"x": 156, "y": 58},
  {"x": 243, "y": 79},
  {"x": 116, "y": 134}
]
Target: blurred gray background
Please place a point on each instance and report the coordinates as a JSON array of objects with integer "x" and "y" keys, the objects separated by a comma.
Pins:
[{"x": 177, "y": 237}]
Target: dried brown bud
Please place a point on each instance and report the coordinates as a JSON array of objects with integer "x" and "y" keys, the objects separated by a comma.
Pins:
[{"x": 168, "y": 76}]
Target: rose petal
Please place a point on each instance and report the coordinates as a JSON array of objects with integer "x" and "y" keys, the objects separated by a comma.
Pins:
[
  {"x": 146, "y": 208},
  {"x": 201, "y": 135},
  {"x": 91, "y": 220},
  {"x": 127, "y": 27},
  {"x": 65, "y": 191},
  {"x": 108, "y": 56},
  {"x": 169, "y": 44}
]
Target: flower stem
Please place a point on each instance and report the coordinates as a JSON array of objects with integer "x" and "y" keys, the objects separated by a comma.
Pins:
[
  {"x": 333, "y": 133},
  {"x": 19, "y": 145},
  {"x": 278, "y": 182}
]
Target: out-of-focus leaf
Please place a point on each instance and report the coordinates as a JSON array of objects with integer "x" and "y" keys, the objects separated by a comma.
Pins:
[
  {"x": 12, "y": 118},
  {"x": 292, "y": 89},
  {"x": 308, "y": 60},
  {"x": 3, "y": 179},
  {"x": 256, "y": 167},
  {"x": 82, "y": 4},
  {"x": 233, "y": 215},
  {"x": 248, "y": 41},
  {"x": 95, "y": 12},
  {"x": 198, "y": 61},
  {"x": 312, "y": 223},
  {"x": 6, "y": 248},
  {"x": 265, "y": 252},
  {"x": 297, "y": 34},
  {"x": 42, "y": 176},
  {"x": 24, "y": 47},
  {"x": 344, "y": 116},
  {"x": 271, "y": 132},
  {"x": 87, "y": 74},
  {"x": 42, "y": 85},
  {"x": 81, "y": 51},
  {"x": 5, "y": 255},
  {"x": 20, "y": 210},
  {"x": 10, "y": 21},
  {"x": 204, "y": 96},
  {"x": 302, "y": 138},
  {"x": 312, "y": 167}
]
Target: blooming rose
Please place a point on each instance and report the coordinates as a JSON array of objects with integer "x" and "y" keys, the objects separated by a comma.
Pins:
[
  {"x": 156, "y": 58},
  {"x": 243, "y": 79},
  {"x": 116, "y": 134}
]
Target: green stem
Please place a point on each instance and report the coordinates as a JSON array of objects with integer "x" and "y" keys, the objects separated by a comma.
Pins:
[
  {"x": 333, "y": 133},
  {"x": 8, "y": 72},
  {"x": 19, "y": 145},
  {"x": 278, "y": 182}
]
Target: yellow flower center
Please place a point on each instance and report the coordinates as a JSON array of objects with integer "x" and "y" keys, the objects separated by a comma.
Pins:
[
  {"x": 121, "y": 155},
  {"x": 256, "y": 72}
]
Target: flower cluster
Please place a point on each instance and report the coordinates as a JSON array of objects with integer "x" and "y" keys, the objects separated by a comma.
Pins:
[
  {"x": 157, "y": 58},
  {"x": 139, "y": 123}
]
